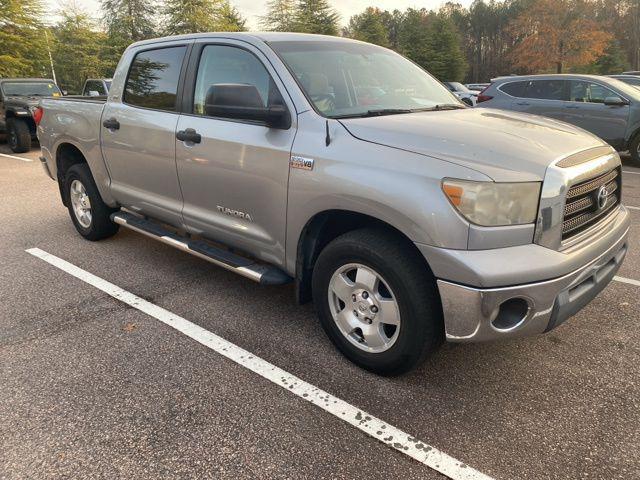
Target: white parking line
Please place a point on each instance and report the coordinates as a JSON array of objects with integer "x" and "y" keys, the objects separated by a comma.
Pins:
[
  {"x": 632, "y": 208},
  {"x": 363, "y": 421},
  {"x": 629, "y": 171},
  {"x": 630, "y": 281},
  {"x": 16, "y": 158}
]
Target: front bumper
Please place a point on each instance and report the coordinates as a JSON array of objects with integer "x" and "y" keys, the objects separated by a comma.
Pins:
[{"x": 475, "y": 314}]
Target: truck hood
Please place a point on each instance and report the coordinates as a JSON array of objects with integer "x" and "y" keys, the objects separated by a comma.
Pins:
[{"x": 505, "y": 146}]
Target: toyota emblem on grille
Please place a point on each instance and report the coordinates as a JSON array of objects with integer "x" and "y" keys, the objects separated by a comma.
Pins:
[{"x": 603, "y": 195}]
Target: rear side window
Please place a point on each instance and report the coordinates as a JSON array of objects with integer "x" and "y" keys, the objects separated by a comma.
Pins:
[
  {"x": 547, "y": 89},
  {"x": 515, "y": 89},
  {"x": 93, "y": 86},
  {"x": 153, "y": 79}
]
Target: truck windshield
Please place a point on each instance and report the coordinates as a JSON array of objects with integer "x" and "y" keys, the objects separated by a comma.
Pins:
[
  {"x": 348, "y": 79},
  {"x": 31, "y": 89}
]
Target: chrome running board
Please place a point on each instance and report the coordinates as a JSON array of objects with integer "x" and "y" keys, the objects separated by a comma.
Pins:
[{"x": 258, "y": 272}]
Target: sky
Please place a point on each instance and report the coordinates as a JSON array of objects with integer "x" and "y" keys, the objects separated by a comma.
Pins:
[{"x": 252, "y": 9}]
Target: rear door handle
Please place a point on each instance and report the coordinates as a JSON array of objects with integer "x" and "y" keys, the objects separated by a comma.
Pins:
[
  {"x": 572, "y": 106},
  {"x": 189, "y": 135},
  {"x": 111, "y": 124}
]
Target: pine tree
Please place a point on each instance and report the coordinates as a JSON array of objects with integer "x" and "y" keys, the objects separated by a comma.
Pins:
[
  {"x": 230, "y": 19},
  {"x": 612, "y": 61},
  {"x": 446, "y": 60},
  {"x": 281, "y": 16},
  {"x": 22, "y": 42},
  {"x": 78, "y": 50},
  {"x": 316, "y": 16},
  {"x": 129, "y": 20},
  {"x": 431, "y": 40},
  {"x": 191, "y": 16},
  {"x": 368, "y": 26}
]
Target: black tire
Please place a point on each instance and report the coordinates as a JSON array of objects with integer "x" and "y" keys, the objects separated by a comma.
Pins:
[
  {"x": 634, "y": 150},
  {"x": 18, "y": 135},
  {"x": 413, "y": 285},
  {"x": 100, "y": 225}
]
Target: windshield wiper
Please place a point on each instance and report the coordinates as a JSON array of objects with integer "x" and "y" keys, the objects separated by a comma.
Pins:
[
  {"x": 376, "y": 113},
  {"x": 447, "y": 106}
]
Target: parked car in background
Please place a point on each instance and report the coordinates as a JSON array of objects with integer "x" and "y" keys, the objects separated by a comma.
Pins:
[
  {"x": 633, "y": 72},
  {"x": 19, "y": 98},
  {"x": 606, "y": 107},
  {"x": 477, "y": 87},
  {"x": 630, "y": 79},
  {"x": 462, "y": 92},
  {"x": 96, "y": 87}
]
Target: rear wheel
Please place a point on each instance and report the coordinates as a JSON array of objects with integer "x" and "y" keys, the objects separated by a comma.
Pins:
[
  {"x": 377, "y": 301},
  {"x": 90, "y": 215},
  {"x": 18, "y": 135}
]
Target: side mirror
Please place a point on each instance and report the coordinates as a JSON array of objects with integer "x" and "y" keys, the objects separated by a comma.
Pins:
[
  {"x": 615, "y": 102},
  {"x": 65, "y": 93},
  {"x": 241, "y": 101},
  {"x": 94, "y": 93}
]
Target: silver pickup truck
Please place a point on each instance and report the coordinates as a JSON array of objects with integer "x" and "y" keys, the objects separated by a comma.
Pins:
[{"x": 406, "y": 216}]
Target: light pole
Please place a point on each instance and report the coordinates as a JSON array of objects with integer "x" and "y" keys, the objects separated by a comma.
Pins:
[{"x": 53, "y": 70}]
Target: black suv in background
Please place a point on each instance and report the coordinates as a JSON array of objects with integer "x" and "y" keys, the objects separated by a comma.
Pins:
[{"x": 19, "y": 98}]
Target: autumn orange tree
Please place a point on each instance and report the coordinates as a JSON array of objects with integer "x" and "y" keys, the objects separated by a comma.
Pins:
[{"x": 557, "y": 33}]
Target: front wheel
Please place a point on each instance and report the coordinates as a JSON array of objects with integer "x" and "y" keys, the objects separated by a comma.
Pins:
[
  {"x": 19, "y": 136},
  {"x": 90, "y": 215},
  {"x": 377, "y": 301}
]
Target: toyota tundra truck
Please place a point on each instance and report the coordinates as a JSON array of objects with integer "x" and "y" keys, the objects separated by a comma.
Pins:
[{"x": 344, "y": 168}]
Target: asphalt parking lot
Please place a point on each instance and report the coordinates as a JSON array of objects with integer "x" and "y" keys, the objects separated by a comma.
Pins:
[{"x": 95, "y": 388}]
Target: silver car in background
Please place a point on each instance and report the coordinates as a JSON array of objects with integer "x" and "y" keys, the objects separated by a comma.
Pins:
[{"x": 604, "y": 106}]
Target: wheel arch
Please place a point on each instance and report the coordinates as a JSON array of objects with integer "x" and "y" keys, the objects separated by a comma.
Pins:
[
  {"x": 324, "y": 227},
  {"x": 67, "y": 154}
]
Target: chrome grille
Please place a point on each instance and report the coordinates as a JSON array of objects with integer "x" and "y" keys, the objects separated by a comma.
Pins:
[{"x": 582, "y": 210}]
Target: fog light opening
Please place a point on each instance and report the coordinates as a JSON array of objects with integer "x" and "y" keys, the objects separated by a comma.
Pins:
[{"x": 511, "y": 314}]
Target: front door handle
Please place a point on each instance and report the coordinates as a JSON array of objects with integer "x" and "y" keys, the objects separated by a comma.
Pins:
[
  {"x": 524, "y": 104},
  {"x": 189, "y": 135},
  {"x": 111, "y": 124}
]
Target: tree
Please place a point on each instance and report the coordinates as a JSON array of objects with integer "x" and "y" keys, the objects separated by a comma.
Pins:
[
  {"x": 229, "y": 19},
  {"x": 22, "y": 42},
  {"x": 431, "y": 40},
  {"x": 193, "y": 16},
  {"x": 316, "y": 16},
  {"x": 280, "y": 17},
  {"x": 557, "y": 34},
  {"x": 129, "y": 20},
  {"x": 612, "y": 61},
  {"x": 368, "y": 26},
  {"x": 446, "y": 60},
  {"x": 78, "y": 51}
]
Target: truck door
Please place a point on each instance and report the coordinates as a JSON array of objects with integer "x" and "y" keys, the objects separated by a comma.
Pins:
[
  {"x": 543, "y": 97},
  {"x": 138, "y": 133},
  {"x": 234, "y": 172},
  {"x": 587, "y": 110}
]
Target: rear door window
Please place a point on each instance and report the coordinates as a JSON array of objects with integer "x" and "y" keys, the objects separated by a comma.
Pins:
[
  {"x": 153, "y": 79},
  {"x": 515, "y": 89},
  {"x": 547, "y": 90}
]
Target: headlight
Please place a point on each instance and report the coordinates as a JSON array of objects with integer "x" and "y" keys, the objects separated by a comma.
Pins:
[{"x": 493, "y": 204}]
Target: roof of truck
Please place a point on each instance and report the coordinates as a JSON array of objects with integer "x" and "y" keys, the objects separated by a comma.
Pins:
[{"x": 264, "y": 36}]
